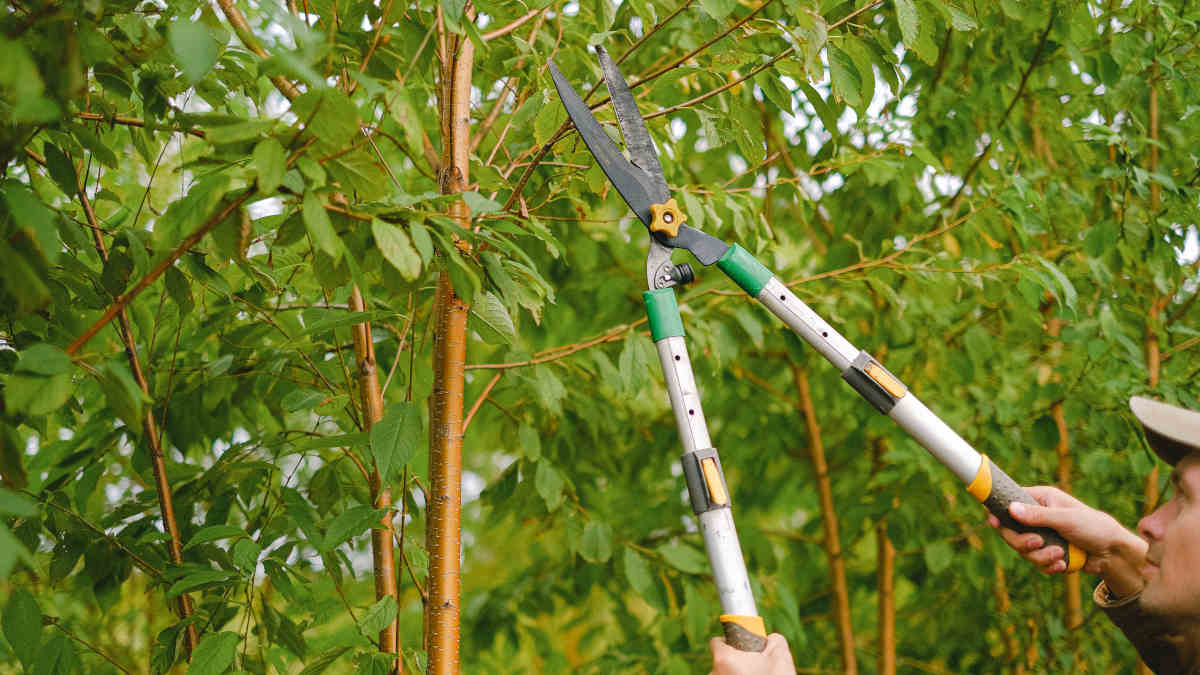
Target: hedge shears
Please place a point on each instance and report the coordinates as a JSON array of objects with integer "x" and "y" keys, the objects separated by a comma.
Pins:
[{"x": 640, "y": 182}]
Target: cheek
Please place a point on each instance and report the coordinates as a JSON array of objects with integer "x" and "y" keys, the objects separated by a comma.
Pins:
[{"x": 1182, "y": 542}]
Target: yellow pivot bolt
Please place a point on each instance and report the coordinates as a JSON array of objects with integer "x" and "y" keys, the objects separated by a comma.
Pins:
[{"x": 667, "y": 218}]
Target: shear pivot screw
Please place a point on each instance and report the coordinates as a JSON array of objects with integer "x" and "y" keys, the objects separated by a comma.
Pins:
[{"x": 666, "y": 218}]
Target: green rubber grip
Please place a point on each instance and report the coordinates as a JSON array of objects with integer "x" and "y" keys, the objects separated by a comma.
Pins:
[
  {"x": 663, "y": 312},
  {"x": 739, "y": 265}
]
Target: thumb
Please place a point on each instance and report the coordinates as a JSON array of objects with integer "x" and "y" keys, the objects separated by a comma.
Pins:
[{"x": 1039, "y": 516}]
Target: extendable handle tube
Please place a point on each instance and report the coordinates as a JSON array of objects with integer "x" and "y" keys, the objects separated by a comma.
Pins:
[
  {"x": 707, "y": 491},
  {"x": 984, "y": 480}
]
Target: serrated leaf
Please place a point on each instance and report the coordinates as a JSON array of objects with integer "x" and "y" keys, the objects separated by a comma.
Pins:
[
  {"x": 637, "y": 571},
  {"x": 319, "y": 227},
  {"x": 549, "y": 484},
  {"x": 908, "y": 17},
  {"x": 62, "y": 169},
  {"x": 596, "y": 543},
  {"x": 37, "y": 395},
  {"x": 214, "y": 654},
  {"x": 194, "y": 47},
  {"x": 23, "y": 625},
  {"x": 684, "y": 558},
  {"x": 198, "y": 579},
  {"x": 718, "y": 9},
  {"x": 396, "y": 249},
  {"x": 493, "y": 316},
  {"x": 479, "y": 204},
  {"x": 377, "y": 617},
  {"x": 396, "y": 437},
  {"x": 531, "y": 444},
  {"x": 844, "y": 76},
  {"x": 43, "y": 359},
  {"x": 422, "y": 240},
  {"x": 270, "y": 161},
  {"x": 245, "y": 554},
  {"x": 938, "y": 556},
  {"x": 351, "y": 523},
  {"x": 302, "y": 399},
  {"x": 13, "y": 504},
  {"x": 213, "y": 533}
]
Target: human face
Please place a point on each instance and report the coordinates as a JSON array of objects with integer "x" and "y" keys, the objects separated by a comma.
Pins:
[{"x": 1173, "y": 532}]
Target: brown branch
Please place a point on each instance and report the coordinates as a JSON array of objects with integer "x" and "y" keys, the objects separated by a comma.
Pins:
[
  {"x": 729, "y": 85},
  {"x": 653, "y": 29},
  {"x": 505, "y": 30},
  {"x": 885, "y": 575},
  {"x": 382, "y": 551},
  {"x": 54, "y": 621},
  {"x": 137, "y": 560},
  {"x": 242, "y": 28},
  {"x": 153, "y": 275},
  {"x": 444, "y": 499},
  {"x": 162, "y": 485},
  {"x": 833, "y": 546},
  {"x": 132, "y": 122},
  {"x": 479, "y": 401}
]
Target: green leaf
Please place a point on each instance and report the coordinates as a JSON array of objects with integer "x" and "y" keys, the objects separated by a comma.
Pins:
[
  {"x": 549, "y": 484},
  {"x": 396, "y": 437},
  {"x": 23, "y": 625},
  {"x": 245, "y": 555},
  {"x": 637, "y": 571},
  {"x": 214, "y": 654},
  {"x": 43, "y": 359},
  {"x": 33, "y": 217},
  {"x": 684, "y": 558},
  {"x": 320, "y": 228},
  {"x": 821, "y": 106},
  {"x": 13, "y": 504},
  {"x": 195, "y": 49},
  {"x": 58, "y": 657},
  {"x": 863, "y": 64},
  {"x": 596, "y": 546},
  {"x": 422, "y": 240},
  {"x": 531, "y": 444},
  {"x": 303, "y": 399},
  {"x": 479, "y": 204},
  {"x": 198, "y": 579},
  {"x": 270, "y": 161},
  {"x": 718, "y": 9},
  {"x": 938, "y": 556},
  {"x": 491, "y": 316},
  {"x": 214, "y": 533},
  {"x": 351, "y": 523},
  {"x": 907, "y": 16},
  {"x": 62, "y": 170},
  {"x": 36, "y": 395},
  {"x": 397, "y": 249},
  {"x": 847, "y": 83},
  {"x": 377, "y": 617},
  {"x": 123, "y": 394}
]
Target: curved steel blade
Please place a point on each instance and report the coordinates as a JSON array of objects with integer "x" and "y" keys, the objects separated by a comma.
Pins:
[
  {"x": 633, "y": 127},
  {"x": 631, "y": 182}
]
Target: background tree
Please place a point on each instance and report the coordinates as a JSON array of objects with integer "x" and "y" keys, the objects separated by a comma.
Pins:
[{"x": 244, "y": 244}]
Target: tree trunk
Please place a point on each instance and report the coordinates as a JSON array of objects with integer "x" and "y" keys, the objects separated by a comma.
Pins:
[
  {"x": 885, "y": 575},
  {"x": 833, "y": 546},
  {"x": 1072, "y": 594},
  {"x": 444, "y": 502},
  {"x": 383, "y": 555}
]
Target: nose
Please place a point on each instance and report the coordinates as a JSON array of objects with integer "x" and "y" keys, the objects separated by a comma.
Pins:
[{"x": 1151, "y": 527}]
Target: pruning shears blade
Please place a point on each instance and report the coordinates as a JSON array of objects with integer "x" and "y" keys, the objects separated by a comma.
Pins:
[
  {"x": 633, "y": 183},
  {"x": 633, "y": 127}
]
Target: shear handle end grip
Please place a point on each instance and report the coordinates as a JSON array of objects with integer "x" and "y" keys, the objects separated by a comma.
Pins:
[
  {"x": 996, "y": 490},
  {"x": 745, "y": 633}
]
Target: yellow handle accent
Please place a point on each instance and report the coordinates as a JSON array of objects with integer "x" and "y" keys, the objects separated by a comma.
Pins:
[
  {"x": 754, "y": 624},
  {"x": 716, "y": 486},
  {"x": 667, "y": 218},
  {"x": 1076, "y": 557},
  {"x": 981, "y": 486},
  {"x": 890, "y": 384}
]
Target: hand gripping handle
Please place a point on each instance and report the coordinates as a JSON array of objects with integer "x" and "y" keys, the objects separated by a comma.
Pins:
[
  {"x": 745, "y": 633},
  {"x": 996, "y": 491}
]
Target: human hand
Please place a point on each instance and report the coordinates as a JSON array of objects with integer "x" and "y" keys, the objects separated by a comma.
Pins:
[
  {"x": 1115, "y": 553},
  {"x": 775, "y": 659}
]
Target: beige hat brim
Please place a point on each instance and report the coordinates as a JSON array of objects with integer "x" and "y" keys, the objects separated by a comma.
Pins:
[{"x": 1172, "y": 432}]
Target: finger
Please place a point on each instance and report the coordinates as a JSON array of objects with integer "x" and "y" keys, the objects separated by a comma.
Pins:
[
  {"x": 1045, "y": 557},
  {"x": 1057, "y": 567},
  {"x": 993, "y": 521},
  {"x": 1022, "y": 542}
]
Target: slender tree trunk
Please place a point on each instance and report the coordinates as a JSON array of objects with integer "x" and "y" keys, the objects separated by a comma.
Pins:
[
  {"x": 833, "y": 546},
  {"x": 166, "y": 504},
  {"x": 1072, "y": 594},
  {"x": 885, "y": 576},
  {"x": 1153, "y": 354},
  {"x": 383, "y": 555},
  {"x": 449, "y": 360}
]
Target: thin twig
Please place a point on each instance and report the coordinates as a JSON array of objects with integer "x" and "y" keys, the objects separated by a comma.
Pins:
[
  {"x": 479, "y": 401},
  {"x": 54, "y": 621},
  {"x": 505, "y": 30}
]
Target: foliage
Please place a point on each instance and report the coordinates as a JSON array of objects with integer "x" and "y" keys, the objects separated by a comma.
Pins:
[{"x": 940, "y": 180}]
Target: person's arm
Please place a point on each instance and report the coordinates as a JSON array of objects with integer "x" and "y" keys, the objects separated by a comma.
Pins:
[
  {"x": 775, "y": 659},
  {"x": 1114, "y": 553}
]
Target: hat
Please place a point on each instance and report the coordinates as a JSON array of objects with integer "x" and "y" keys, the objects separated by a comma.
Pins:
[{"x": 1172, "y": 432}]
